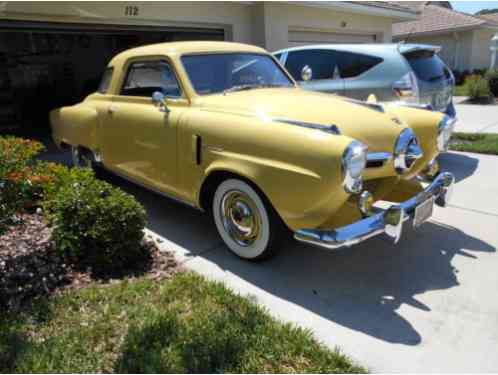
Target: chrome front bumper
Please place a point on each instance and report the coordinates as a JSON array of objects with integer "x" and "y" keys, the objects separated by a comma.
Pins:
[{"x": 389, "y": 221}]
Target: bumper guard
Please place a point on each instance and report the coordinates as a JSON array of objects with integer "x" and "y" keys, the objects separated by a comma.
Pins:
[{"x": 389, "y": 221}]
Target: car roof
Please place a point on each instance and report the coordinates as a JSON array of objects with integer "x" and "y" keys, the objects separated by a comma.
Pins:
[
  {"x": 377, "y": 48},
  {"x": 185, "y": 48}
]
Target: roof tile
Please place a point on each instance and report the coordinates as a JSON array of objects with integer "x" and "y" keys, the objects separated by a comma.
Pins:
[{"x": 435, "y": 18}]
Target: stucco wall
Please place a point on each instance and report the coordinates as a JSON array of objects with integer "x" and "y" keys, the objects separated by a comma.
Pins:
[
  {"x": 481, "y": 55},
  {"x": 235, "y": 18},
  {"x": 266, "y": 23},
  {"x": 448, "y": 45},
  {"x": 458, "y": 49},
  {"x": 281, "y": 17}
]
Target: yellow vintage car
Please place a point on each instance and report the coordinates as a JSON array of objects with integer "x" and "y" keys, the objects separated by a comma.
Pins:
[{"x": 224, "y": 128}]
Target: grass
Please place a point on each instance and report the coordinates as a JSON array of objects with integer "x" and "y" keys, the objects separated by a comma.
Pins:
[
  {"x": 186, "y": 324},
  {"x": 482, "y": 143}
]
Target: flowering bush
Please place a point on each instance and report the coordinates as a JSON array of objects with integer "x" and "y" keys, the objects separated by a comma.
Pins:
[{"x": 16, "y": 171}]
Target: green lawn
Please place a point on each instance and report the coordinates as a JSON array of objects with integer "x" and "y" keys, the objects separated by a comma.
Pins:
[
  {"x": 186, "y": 324},
  {"x": 483, "y": 143}
]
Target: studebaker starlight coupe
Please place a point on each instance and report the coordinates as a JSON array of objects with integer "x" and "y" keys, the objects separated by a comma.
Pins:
[{"x": 224, "y": 128}]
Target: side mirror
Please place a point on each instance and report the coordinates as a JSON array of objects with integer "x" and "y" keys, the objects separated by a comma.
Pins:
[
  {"x": 159, "y": 101},
  {"x": 306, "y": 73}
]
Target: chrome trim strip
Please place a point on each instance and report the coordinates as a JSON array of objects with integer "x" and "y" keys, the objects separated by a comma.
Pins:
[
  {"x": 379, "y": 157},
  {"x": 332, "y": 129},
  {"x": 389, "y": 221}
]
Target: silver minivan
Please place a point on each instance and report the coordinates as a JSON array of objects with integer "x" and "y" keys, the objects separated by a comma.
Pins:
[{"x": 407, "y": 73}]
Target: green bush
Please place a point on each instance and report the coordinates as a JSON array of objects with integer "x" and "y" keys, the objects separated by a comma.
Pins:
[
  {"x": 477, "y": 87},
  {"x": 93, "y": 222},
  {"x": 17, "y": 189},
  {"x": 492, "y": 78}
]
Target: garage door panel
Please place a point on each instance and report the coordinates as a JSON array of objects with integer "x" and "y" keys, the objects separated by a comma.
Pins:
[{"x": 301, "y": 38}]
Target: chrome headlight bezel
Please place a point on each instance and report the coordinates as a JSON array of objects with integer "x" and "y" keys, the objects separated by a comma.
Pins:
[
  {"x": 354, "y": 161},
  {"x": 406, "y": 151},
  {"x": 444, "y": 131}
]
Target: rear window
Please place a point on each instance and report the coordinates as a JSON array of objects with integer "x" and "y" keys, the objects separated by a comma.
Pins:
[
  {"x": 106, "y": 81},
  {"x": 427, "y": 65}
]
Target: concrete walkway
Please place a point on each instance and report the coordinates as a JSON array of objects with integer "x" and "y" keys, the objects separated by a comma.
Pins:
[
  {"x": 476, "y": 118},
  {"x": 427, "y": 305}
]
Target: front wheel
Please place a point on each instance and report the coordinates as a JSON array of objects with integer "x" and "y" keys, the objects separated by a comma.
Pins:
[{"x": 247, "y": 224}]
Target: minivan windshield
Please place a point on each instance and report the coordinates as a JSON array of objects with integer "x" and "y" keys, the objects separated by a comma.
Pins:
[
  {"x": 227, "y": 72},
  {"x": 427, "y": 65}
]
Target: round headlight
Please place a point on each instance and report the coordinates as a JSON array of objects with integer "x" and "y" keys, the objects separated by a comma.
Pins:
[
  {"x": 406, "y": 151},
  {"x": 354, "y": 161},
  {"x": 445, "y": 129}
]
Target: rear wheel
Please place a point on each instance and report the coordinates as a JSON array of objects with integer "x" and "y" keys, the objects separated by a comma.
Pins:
[
  {"x": 247, "y": 224},
  {"x": 81, "y": 157}
]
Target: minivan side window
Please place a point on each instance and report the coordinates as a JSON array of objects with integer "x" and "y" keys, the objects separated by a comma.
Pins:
[
  {"x": 322, "y": 62},
  {"x": 353, "y": 64},
  {"x": 105, "y": 81},
  {"x": 144, "y": 78}
]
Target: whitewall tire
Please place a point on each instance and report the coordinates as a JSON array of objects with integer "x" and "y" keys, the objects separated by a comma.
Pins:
[{"x": 247, "y": 224}]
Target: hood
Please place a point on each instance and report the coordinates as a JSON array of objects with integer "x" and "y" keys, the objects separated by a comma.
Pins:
[{"x": 362, "y": 121}]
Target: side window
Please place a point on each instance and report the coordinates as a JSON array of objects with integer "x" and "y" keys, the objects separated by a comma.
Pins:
[
  {"x": 105, "y": 81},
  {"x": 353, "y": 64},
  {"x": 143, "y": 78},
  {"x": 278, "y": 56},
  {"x": 323, "y": 63}
]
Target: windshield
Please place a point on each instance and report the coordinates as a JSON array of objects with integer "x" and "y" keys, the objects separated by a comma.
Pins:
[
  {"x": 427, "y": 65},
  {"x": 216, "y": 73}
]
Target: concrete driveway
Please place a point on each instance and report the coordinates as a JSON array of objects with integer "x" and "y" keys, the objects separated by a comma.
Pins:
[
  {"x": 476, "y": 118},
  {"x": 427, "y": 305}
]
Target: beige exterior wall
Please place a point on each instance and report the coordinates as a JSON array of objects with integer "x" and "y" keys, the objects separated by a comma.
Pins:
[
  {"x": 234, "y": 17},
  {"x": 481, "y": 55},
  {"x": 448, "y": 44},
  {"x": 463, "y": 50},
  {"x": 282, "y": 17},
  {"x": 266, "y": 24}
]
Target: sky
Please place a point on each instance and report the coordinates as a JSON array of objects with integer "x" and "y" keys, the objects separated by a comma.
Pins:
[{"x": 473, "y": 6}]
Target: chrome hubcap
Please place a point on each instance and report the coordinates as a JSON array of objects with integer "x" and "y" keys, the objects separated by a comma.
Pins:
[{"x": 241, "y": 218}]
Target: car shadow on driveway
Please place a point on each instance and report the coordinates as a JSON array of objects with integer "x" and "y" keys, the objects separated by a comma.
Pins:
[
  {"x": 360, "y": 288},
  {"x": 461, "y": 165}
]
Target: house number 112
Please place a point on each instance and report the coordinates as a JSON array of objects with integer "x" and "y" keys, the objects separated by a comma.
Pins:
[{"x": 131, "y": 11}]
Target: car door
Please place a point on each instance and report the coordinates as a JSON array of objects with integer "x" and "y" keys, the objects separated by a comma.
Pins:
[
  {"x": 360, "y": 78},
  {"x": 139, "y": 138},
  {"x": 322, "y": 64}
]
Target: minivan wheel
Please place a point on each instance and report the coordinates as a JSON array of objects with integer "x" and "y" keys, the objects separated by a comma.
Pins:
[{"x": 247, "y": 225}]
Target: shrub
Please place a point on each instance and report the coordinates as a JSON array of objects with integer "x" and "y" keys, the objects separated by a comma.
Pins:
[
  {"x": 94, "y": 222},
  {"x": 16, "y": 166},
  {"x": 492, "y": 78},
  {"x": 477, "y": 87}
]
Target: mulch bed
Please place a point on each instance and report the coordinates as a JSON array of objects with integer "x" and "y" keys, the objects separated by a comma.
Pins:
[{"x": 30, "y": 267}]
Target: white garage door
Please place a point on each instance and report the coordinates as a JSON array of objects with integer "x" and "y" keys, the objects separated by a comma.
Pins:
[{"x": 301, "y": 38}]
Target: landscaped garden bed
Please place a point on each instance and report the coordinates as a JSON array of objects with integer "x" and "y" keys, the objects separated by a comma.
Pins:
[{"x": 82, "y": 290}]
